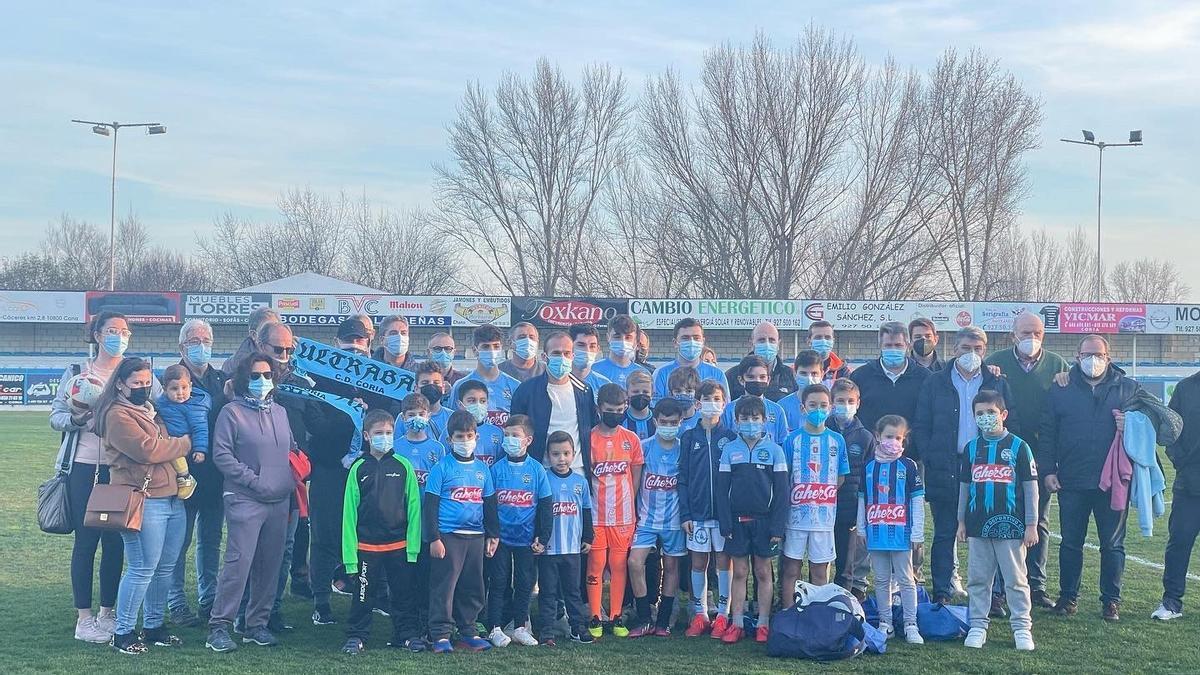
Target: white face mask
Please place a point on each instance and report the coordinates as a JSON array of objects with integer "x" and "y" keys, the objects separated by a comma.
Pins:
[
  {"x": 711, "y": 408},
  {"x": 970, "y": 362},
  {"x": 1093, "y": 366},
  {"x": 1029, "y": 346}
]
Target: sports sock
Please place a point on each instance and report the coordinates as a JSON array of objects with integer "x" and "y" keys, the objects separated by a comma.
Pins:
[
  {"x": 618, "y": 574},
  {"x": 700, "y": 592},
  {"x": 665, "y": 607},
  {"x": 643, "y": 609},
  {"x": 597, "y": 559},
  {"x": 723, "y": 591}
]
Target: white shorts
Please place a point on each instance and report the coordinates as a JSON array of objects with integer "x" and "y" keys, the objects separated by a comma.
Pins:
[
  {"x": 705, "y": 538},
  {"x": 816, "y": 547}
]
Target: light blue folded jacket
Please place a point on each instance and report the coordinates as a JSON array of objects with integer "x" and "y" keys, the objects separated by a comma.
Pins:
[{"x": 1146, "y": 490}]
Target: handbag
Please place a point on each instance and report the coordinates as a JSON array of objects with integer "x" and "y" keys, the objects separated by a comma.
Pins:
[
  {"x": 116, "y": 507},
  {"x": 54, "y": 497}
]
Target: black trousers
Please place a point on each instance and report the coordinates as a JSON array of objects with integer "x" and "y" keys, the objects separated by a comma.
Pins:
[
  {"x": 327, "y": 487},
  {"x": 1182, "y": 529},
  {"x": 558, "y": 581},
  {"x": 88, "y": 540},
  {"x": 400, "y": 600},
  {"x": 300, "y": 552},
  {"x": 941, "y": 555},
  {"x": 1076, "y": 508},
  {"x": 456, "y": 589},
  {"x": 512, "y": 572}
]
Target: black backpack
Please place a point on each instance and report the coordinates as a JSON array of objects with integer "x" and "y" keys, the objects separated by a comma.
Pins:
[{"x": 820, "y": 631}]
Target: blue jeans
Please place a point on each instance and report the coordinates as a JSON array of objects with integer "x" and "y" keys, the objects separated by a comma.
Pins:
[
  {"x": 206, "y": 519},
  {"x": 150, "y": 557}
]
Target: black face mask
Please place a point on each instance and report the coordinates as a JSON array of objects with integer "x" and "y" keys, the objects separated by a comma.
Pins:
[
  {"x": 612, "y": 419},
  {"x": 755, "y": 388},
  {"x": 639, "y": 401},
  {"x": 139, "y": 395},
  {"x": 432, "y": 393},
  {"x": 923, "y": 347}
]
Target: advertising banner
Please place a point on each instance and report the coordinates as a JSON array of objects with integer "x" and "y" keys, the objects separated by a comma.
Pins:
[
  {"x": 566, "y": 312},
  {"x": 137, "y": 306},
  {"x": 869, "y": 314},
  {"x": 718, "y": 314},
  {"x": 223, "y": 308},
  {"x": 42, "y": 306},
  {"x": 12, "y": 388},
  {"x": 997, "y": 317},
  {"x": 330, "y": 310},
  {"x": 40, "y": 388},
  {"x": 946, "y": 316},
  {"x": 1173, "y": 319},
  {"x": 1102, "y": 317},
  {"x": 476, "y": 311}
]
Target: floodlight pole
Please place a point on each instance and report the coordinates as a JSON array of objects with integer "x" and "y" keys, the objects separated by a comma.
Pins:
[
  {"x": 112, "y": 205},
  {"x": 1099, "y": 145}
]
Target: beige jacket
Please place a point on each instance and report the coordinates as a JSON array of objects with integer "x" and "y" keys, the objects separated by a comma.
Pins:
[{"x": 136, "y": 444}]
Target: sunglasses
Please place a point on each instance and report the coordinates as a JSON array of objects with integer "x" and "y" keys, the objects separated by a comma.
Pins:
[
  {"x": 256, "y": 376},
  {"x": 281, "y": 351}
]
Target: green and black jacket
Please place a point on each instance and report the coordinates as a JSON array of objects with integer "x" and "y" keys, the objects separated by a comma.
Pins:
[{"x": 382, "y": 509}]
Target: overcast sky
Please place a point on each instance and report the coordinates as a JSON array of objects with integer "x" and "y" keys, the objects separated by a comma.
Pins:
[{"x": 258, "y": 99}]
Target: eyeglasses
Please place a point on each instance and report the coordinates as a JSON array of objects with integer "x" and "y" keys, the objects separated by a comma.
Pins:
[
  {"x": 265, "y": 376},
  {"x": 122, "y": 332},
  {"x": 1084, "y": 355},
  {"x": 443, "y": 350},
  {"x": 198, "y": 341},
  {"x": 281, "y": 351}
]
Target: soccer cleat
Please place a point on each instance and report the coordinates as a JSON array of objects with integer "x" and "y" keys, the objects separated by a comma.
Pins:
[
  {"x": 160, "y": 637},
  {"x": 87, "y": 631},
  {"x": 498, "y": 638},
  {"x": 641, "y": 630},
  {"x": 595, "y": 628},
  {"x": 475, "y": 644},
  {"x": 913, "y": 636},
  {"x": 128, "y": 644},
  {"x": 976, "y": 638},
  {"x": 1163, "y": 613},
  {"x": 219, "y": 640},
  {"x": 662, "y": 631},
  {"x": 323, "y": 616},
  {"x": 353, "y": 647},
  {"x": 733, "y": 634},
  {"x": 699, "y": 626},
  {"x": 260, "y": 636},
  {"x": 1112, "y": 612},
  {"x": 618, "y": 628},
  {"x": 442, "y": 646},
  {"x": 523, "y": 637},
  {"x": 1023, "y": 640},
  {"x": 583, "y": 637},
  {"x": 761, "y": 633},
  {"x": 719, "y": 627}
]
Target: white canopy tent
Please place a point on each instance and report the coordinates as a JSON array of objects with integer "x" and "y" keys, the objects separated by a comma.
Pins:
[{"x": 311, "y": 282}]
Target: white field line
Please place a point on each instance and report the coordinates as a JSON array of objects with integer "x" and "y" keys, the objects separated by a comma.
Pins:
[{"x": 1129, "y": 558}]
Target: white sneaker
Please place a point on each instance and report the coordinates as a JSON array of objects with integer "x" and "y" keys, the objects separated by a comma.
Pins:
[
  {"x": 523, "y": 637},
  {"x": 106, "y": 621},
  {"x": 498, "y": 638},
  {"x": 87, "y": 631},
  {"x": 1024, "y": 640},
  {"x": 976, "y": 637},
  {"x": 887, "y": 629},
  {"x": 913, "y": 636},
  {"x": 1163, "y": 613}
]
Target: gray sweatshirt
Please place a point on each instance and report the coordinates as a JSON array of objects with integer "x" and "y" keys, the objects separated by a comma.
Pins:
[{"x": 250, "y": 447}]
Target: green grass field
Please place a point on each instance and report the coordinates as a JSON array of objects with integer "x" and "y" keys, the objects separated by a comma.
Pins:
[{"x": 36, "y": 619}]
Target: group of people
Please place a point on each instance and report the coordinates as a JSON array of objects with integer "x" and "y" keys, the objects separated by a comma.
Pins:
[{"x": 566, "y": 465}]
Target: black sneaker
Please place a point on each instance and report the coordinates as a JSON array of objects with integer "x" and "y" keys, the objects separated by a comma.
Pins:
[
  {"x": 219, "y": 639},
  {"x": 184, "y": 617},
  {"x": 414, "y": 645},
  {"x": 353, "y": 647},
  {"x": 277, "y": 624},
  {"x": 581, "y": 636},
  {"x": 323, "y": 616},
  {"x": 1112, "y": 612},
  {"x": 1040, "y": 599},
  {"x": 160, "y": 637},
  {"x": 128, "y": 644},
  {"x": 1066, "y": 607},
  {"x": 997, "y": 610}
]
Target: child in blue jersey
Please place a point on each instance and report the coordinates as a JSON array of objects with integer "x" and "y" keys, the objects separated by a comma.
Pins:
[
  {"x": 560, "y": 566},
  {"x": 684, "y": 386},
  {"x": 997, "y": 516},
  {"x": 489, "y": 352},
  {"x": 622, "y": 349},
  {"x": 810, "y": 369},
  {"x": 852, "y": 565},
  {"x": 752, "y": 508},
  {"x": 523, "y": 502},
  {"x": 432, "y": 385},
  {"x": 586, "y": 350},
  {"x": 817, "y": 465},
  {"x": 658, "y": 521},
  {"x": 755, "y": 377},
  {"x": 460, "y": 523},
  {"x": 638, "y": 417},
  {"x": 700, "y": 454},
  {"x": 423, "y": 452},
  {"x": 473, "y": 399},
  {"x": 891, "y": 517}
]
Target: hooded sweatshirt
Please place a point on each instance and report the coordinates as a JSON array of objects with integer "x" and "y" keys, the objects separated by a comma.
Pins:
[{"x": 251, "y": 443}]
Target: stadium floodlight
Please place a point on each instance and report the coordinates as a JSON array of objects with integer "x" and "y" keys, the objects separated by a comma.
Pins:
[
  {"x": 100, "y": 129},
  {"x": 1135, "y": 136},
  {"x": 1089, "y": 136},
  {"x": 155, "y": 129}
]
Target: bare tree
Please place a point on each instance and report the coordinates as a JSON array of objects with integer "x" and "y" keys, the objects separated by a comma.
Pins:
[
  {"x": 392, "y": 251},
  {"x": 983, "y": 123},
  {"x": 1079, "y": 274},
  {"x": 530, "y": 162},
  {"x": 1146, "y": 280}
]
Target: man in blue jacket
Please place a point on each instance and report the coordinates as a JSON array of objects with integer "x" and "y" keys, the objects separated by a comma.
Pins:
[
  {"x": 944, "y": 424},
  {"x": 1078, "y": 426},
  {"x": 558, "y": 401}
]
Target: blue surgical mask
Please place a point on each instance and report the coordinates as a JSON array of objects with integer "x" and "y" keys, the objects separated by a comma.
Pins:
[
  {"x": 622, "y": 348},
  {"x": 525, "y": 347},
  {"x": 892, "y": 357},
  {"x": 490, "y": 358},
  {"x": 558, "y": 366},
  {"x": 845, "y": 411},
  {"x": 478, "y": 410},
  {"x": 443, "y": 359},
  {"x": 513, "y": 447},
  {"x": 199, "y": 354},
  {"x": 115, "y": 345},
  {"x": 381, "y": 442},
  {"x": 823, "y": 346},
  {"x": 711, "y": 408},
  {"x": 260, "y": 388},
  {"x": 415, "y": 424},
  {"x": 583, "y": 359},
  {"x": 816, "y": 417},
  {"x": 667, "y": 433},
  {"x": 750, "y": 430},
  {"x": 766, "y": 351},
  {"x": 690, "y": 350},
  {"x": 396, "y": 345}
]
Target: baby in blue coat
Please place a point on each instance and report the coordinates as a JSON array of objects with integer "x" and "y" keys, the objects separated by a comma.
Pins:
[{"x": 185, "y": 412}]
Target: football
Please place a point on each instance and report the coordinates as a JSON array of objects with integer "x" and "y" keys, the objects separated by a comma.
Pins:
[{"x": 83, "y": 390}]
